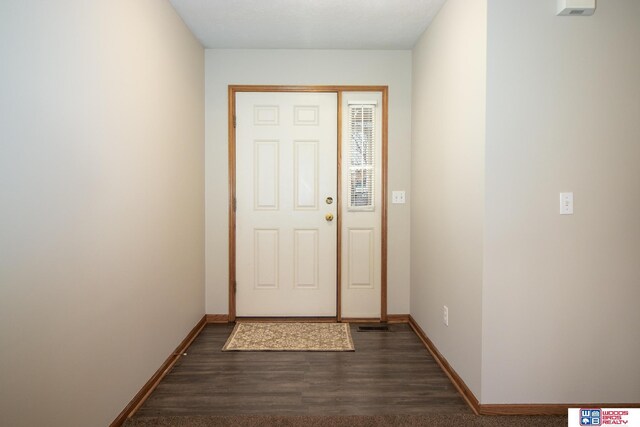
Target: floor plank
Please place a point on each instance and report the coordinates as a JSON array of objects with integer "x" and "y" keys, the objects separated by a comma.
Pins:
[{"x": 389, "y": 373}]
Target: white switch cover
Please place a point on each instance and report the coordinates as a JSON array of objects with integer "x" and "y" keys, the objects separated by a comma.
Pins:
[
  {"x": 445, "y": 315},
  {"x": 398, "y": 197},
  {"x": 566, "y": 203}
]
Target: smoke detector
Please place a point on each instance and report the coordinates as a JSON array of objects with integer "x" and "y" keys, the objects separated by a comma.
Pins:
[{"x": 576, "y": 7}]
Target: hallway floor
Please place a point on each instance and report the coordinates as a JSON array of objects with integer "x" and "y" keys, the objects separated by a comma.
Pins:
[{"x": 389, "y": 373}]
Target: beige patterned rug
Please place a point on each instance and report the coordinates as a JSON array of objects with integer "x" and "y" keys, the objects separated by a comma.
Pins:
[{"x": 285, "y": 336}]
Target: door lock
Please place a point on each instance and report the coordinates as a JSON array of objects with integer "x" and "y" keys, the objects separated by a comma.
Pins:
[
  {"x": 329, "y": 217},
  {"x": 329, "y": 200}
]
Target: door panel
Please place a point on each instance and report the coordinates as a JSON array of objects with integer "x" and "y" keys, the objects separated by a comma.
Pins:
[
  {"x": 266, "y": 251},
  {"x": 306, "y": 175},
  {"x": 266, "y": 174},
  {"x": 286, "y": 167},
  {"x": 362, "y": 204},
  {"x": 361, "y": 259},
  {"x": 307, "y": 259}
]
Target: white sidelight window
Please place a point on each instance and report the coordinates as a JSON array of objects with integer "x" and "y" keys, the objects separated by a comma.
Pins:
[
  {"x": 361, "y": 160},
  {"x": 361, "y": 195}
]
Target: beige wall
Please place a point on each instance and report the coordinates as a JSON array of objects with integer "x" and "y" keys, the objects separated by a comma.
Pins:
[
  {"x": 553, "y": 298},
  {"x": 306, "y": 67},
  {"x": 560, "y": 314},
  {"x": 447, "y": 212},
  {"x": 102, "y": 211}
]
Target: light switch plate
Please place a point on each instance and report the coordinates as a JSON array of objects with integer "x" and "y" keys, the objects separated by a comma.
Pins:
[
  {"x": 566, "y": 203},
  {"x": 398, "y": 197}
]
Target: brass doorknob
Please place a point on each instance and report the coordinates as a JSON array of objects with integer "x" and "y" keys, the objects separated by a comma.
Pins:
[{"x": 328, "y": 217}]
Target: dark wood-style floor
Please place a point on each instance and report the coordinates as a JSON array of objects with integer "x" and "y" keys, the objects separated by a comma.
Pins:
[{"x": 389, "y": 373}]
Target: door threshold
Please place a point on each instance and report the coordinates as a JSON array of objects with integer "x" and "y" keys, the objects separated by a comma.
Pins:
[{"x": 307, "y": 319}]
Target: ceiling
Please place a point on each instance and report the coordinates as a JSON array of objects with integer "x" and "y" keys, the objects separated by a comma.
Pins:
[{"x": 307, "y": 24}]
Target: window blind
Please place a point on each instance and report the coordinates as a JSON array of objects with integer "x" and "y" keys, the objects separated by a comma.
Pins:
[{"x": 361, "y": 156}]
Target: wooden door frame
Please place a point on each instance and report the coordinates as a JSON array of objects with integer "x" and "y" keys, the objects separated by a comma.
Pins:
[{"x": 384, "y": 90}]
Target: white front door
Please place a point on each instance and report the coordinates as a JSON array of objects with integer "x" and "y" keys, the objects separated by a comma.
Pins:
[{"x": 286, "y": 193}]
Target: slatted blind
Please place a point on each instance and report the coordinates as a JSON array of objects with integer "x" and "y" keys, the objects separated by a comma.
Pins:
[{"x": 361, "y": 156}]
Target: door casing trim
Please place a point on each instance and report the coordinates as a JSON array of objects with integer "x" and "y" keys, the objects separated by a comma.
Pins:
[{"x": 231, "y": 122}]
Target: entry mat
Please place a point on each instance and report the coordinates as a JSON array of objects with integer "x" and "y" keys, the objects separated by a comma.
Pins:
[{"x": 290, "y": 336}]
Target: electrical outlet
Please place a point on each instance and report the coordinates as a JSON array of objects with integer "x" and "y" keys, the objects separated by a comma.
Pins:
[{"x": 445, "y": 315}]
